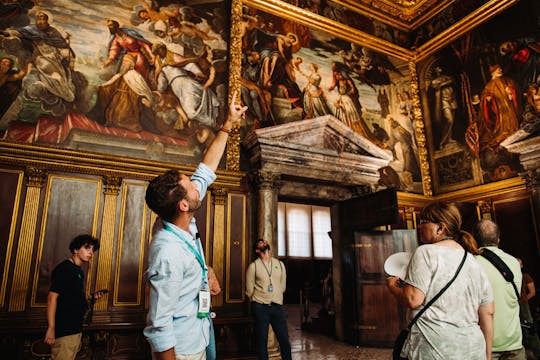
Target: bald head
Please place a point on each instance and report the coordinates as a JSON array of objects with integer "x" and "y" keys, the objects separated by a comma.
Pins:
[{"x": 486, "y": 233}]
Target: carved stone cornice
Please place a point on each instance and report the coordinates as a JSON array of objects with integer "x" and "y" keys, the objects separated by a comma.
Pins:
[
  {"x": 361, "y": 190},
  {"x": 35, "y": 176},
  {"x": 111, "y": 184},
  {"x": 532, "y": 179},
  {"x": 420, "y": 133},
  {"x": 219, "y": 195}
]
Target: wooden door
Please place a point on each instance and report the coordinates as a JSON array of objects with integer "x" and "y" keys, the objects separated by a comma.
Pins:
[{"x": 377, "y": 316}]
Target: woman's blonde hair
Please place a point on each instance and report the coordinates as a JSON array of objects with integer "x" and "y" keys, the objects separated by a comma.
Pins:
[{"x": 448, "y": 214}]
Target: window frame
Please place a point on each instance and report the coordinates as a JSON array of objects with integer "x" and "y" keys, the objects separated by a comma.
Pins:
[{"x": 311, "y": 231}]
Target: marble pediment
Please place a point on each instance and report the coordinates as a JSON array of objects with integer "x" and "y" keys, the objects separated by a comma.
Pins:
[{"x": 321, "y": 149}]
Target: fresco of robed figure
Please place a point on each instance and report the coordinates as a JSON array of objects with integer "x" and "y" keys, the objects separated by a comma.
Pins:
[
  {"x": 126, "y": 77},
  {"x": 291, "y": 72}
]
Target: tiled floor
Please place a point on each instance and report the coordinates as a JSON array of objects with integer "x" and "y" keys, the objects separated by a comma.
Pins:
[{"x": 310, "y": 346}]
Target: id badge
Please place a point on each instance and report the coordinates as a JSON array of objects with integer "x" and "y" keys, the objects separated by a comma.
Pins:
[
  {"x": 270, "y": 288},
  {"x": 204, "y": 303}
]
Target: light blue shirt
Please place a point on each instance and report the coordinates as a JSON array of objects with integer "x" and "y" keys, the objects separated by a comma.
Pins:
[{"x": 175, "y": 278}]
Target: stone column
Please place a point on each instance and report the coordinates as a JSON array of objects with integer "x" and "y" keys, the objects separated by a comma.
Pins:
[
  {"x": 267, "y": 229},
  {"x": 35, "y": 179},
  {"x": 267, "y": 207},
  {"x": 111, "y": 190}
]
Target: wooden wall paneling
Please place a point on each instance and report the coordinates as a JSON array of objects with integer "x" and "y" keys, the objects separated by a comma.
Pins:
[
  {"x": 236, "y": 247},
  {"x": 10, "y": 195},
  {"x": 71, "y": 207},
  {"x": 130, "y": 249},
  {"x": 35, "y": 179}
]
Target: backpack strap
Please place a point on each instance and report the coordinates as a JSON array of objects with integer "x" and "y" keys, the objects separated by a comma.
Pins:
[{"x": 500, "y": 265}]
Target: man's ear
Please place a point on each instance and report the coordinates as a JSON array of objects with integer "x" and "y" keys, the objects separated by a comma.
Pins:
[{"x": 183, "y": 205}]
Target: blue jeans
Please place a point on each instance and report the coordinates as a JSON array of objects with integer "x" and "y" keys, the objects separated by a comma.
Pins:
[
  {"x": 211, "y": 348},
  {"x": 274, "y": 315}
]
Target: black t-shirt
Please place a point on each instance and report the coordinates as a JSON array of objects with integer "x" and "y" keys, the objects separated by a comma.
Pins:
[{"x": 68, "y": 282}]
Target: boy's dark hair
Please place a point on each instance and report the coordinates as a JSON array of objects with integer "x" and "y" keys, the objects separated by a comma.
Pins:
[
  {"x": 83, "y": 240},
  {"x": 163, "y": 194}
]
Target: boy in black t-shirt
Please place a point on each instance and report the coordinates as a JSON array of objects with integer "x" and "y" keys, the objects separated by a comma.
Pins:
[{"x": 66, "y": 302}]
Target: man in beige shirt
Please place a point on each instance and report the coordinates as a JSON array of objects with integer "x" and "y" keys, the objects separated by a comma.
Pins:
[{"x": 266, "y": 280}]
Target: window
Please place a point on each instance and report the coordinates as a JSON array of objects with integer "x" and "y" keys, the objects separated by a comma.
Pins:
[{"x": 303, "y": 231}]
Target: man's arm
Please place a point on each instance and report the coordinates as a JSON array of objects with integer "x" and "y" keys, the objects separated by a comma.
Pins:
[
  {"x": 214, "y": 152},
  {"x": 250, "y": 280},
  {"x": 283, "y": 277},
  {"x": 485, "y": 317},
  {"x": 52, "y": 301}
]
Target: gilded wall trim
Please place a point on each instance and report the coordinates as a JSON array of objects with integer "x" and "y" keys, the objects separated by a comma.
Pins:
[
  {"x": 420, "y": 131},
  {"x": 235, "y": 70},
  {"x": 468, "y": 23},
  {"x": 318, "y": 22},
  {"x": 56, "y": 159},
  {"x": 481, "y": 192},
  {"x": 10, "y": 240},
  {"x": 21, "y": 272},
  {"x": 106, "y": 241},
  {"x": 208, "y": 199},
  {"x": 219, "y": 196}
]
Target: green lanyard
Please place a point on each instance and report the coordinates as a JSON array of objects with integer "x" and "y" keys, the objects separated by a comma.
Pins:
[{"x": 195, "y": 252}]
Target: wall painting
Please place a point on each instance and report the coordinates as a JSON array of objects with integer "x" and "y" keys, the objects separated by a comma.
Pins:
[
  {"x": 291, "y": 72},
  {"x": 145, "y": 79},
  {"x": 477, "y": 92}
]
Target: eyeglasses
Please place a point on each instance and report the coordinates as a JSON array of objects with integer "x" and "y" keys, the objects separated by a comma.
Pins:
[{"x": 424, "y": 221}]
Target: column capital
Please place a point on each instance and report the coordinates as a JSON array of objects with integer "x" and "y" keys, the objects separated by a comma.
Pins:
[
  {"x": 532, "y": 179},
  {"x": 484, "y": 207},
  {"x": 219, "y": 195},
  {"x": 35, "y": 176},
  {"x": 111, "y": 184},
  {"x": 266, "y": 180}
]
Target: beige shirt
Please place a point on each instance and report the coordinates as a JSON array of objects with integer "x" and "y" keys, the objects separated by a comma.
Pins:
[{"x": 260, "y": 275}]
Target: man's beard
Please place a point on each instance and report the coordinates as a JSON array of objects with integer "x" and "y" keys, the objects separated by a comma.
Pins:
[{"x": 264, "y": 248}]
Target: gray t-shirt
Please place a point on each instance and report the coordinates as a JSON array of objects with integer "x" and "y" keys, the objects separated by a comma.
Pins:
[{"x": 449, "y": 328}]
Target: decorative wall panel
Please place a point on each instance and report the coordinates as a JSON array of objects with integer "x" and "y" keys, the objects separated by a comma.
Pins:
[
  {"x": 10, "y": 192},
  {"x": 130, "y": 250},
  {"x": 71, "y": 207}
]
